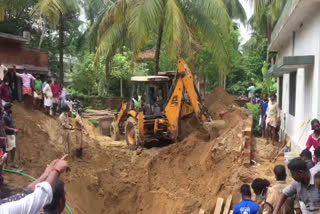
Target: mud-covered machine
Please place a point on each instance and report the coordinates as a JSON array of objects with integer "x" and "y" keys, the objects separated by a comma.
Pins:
[{"x": 154, "y": 111}]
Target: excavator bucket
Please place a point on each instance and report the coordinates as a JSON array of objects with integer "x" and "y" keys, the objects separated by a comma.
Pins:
[{"x": 212, "y": 125}]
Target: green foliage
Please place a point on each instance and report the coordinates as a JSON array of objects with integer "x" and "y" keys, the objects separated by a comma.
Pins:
[
  {"x": 186, "y": 25},
  {"x": 254, "y": 111},
  {"x": 90, "y": 81},
  {"x": 248, "y": 66}
]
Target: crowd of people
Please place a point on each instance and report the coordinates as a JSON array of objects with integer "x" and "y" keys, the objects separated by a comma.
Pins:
[
  {"x": 47, "y": 192},
  {"x": 269, "y": 119},
  {"x": 300, "y": 196}
]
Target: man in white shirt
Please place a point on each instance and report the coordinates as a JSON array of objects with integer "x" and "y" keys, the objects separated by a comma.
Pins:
[
  {"x": 3, "y": 71},
  {"x": 251, "y": 89},
  {"x": 42, "y": 195}
]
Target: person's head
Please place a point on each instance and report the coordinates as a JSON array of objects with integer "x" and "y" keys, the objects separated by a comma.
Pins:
[
  {"x": 49, "y": 81},
  {"x": 245, "y": 191},
  {"x": 250, "y": 84},
  {"x": 280, "y": 173},
  {"x": 298, "y": 169},
  {"x": 24, "y": 71},
  {"x": 260, "y": 187},
  {"x": 273, "y": 98},
  {"x": 315, "y": 124},
  {"x": 7, "y": 108},
  {"x": 317, "y": 153},
  {"x": 58, "y": 200},
  {"x": 38, "y": 77},
  {"x": 317, "y": 180},
  {"x": 265, "y": 97},
  {"x": 55, "y": 81},
  {"x": 306, "y": 155}
]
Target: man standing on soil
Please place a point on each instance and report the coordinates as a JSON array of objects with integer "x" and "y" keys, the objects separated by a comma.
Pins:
[
  {"x": 303, "y": 185},
  {"x": 246, "y": 206},
  {"x": 79, "y": 135},
  {"x": 272, "y": 119},
  {"x": 47, "y": 93},
  {"x": 275, "y": 191},
  {"x": 56, "y": 90},
  {"x": 67, "y": 127},
  {"x": 10, "y": 132},
  {"x": 251, "y": 89},
  {"x": 37, "y": 93},
  {"x": 263, "y": 106},
  {"x": 27, "y": 89}
]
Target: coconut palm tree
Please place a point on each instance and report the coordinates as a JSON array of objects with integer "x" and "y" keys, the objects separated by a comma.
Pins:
[
  {"x": 236, "y": 10},
  {"x": 55, "y": 11},
  {"x": 180, "y": 27},
  {"x": 12, "y": 6},
  {"x": 266, "y": 15}
]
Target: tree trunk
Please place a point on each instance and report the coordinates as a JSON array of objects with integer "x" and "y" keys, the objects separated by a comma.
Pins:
[
  {"x": 61, "y": 46},
  {"x": 159, "y": 42},
  {"x": 42, "y": 35},
  {"x": 121, "y": 89}
]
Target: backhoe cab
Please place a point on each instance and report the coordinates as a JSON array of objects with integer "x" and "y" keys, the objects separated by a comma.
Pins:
[{"x": 154, "y": 112}]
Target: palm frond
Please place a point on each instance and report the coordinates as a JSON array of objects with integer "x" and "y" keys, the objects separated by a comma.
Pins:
[
  {"x": 112, "y": 39},
  {"x": 213, "y": 33},
  {"x": 236, "y": 10},
  {"x": 178, "y": 35},
  {"x": 50, "y": 9},
  {"x": 143, "y": 17}
]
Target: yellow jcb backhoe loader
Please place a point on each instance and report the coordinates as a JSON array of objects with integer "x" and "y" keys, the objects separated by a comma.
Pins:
[{"x": 154, "y": 112}]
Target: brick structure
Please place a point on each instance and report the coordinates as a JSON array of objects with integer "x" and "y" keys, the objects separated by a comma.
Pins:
[{"x": 14, "y": 53}]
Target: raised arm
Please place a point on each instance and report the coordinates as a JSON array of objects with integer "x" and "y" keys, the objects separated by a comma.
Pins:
[
  {"x": 281, "y": 201},
  {"x": 42, "y": 194}
]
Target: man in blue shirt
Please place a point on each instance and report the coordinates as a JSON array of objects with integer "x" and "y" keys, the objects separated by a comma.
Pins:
[
  {"x": 263, "y": 105},
  {"x": 246, "y": 206}
]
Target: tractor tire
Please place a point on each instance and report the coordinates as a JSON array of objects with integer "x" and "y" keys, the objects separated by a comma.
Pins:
[
  {"x": 114, "y": 131},
  {"x": 132, "y": 133}
]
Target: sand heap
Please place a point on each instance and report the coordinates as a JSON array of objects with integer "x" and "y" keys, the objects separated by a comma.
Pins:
[{"x": 219, "y": 100}]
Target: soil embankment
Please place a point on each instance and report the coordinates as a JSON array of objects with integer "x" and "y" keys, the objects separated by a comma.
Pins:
[{"x": 180, "y": 178}]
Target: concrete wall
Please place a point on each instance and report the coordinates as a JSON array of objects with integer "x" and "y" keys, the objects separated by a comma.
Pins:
[{"x": 307, "y": 42}]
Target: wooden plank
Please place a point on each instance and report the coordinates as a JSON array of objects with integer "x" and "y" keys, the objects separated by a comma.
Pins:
[
  {"x": 201, "y": 211},
  {"x": 228, "y": 205},
  {"x": 219, "y": 205}
]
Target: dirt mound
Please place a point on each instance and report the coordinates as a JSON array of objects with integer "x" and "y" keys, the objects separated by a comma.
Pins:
[
  {"x": 180, "y": 178},
  {"x": 216, "y": 102},
  {"x": 219, "y": 100}
]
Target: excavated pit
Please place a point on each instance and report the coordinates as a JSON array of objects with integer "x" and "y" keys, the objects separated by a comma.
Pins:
[{"x": 180, "y": 178}]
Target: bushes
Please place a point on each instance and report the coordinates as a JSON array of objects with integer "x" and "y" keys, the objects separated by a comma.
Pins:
[{"x": 254, "y": 111}]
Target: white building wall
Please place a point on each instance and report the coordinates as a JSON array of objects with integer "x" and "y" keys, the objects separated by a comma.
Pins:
[{"x": 307, "y": 42}]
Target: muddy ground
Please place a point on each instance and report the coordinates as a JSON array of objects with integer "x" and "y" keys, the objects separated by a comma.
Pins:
[{"x": 179, "y": 178}]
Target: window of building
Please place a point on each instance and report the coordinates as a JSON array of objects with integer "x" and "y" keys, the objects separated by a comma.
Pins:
[
  {"x": 280, "y": 91},
  {"x": 292, "y": 93}
]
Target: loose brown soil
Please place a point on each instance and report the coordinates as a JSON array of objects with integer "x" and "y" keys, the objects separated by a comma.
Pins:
[{"x": 179, "y": 178}]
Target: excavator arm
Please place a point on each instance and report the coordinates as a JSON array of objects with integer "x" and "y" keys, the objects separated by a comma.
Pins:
[{"x": 184, "y": 83}]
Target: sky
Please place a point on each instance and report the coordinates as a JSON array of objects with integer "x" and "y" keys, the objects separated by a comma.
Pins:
[{"x": 245, "y": 32}]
